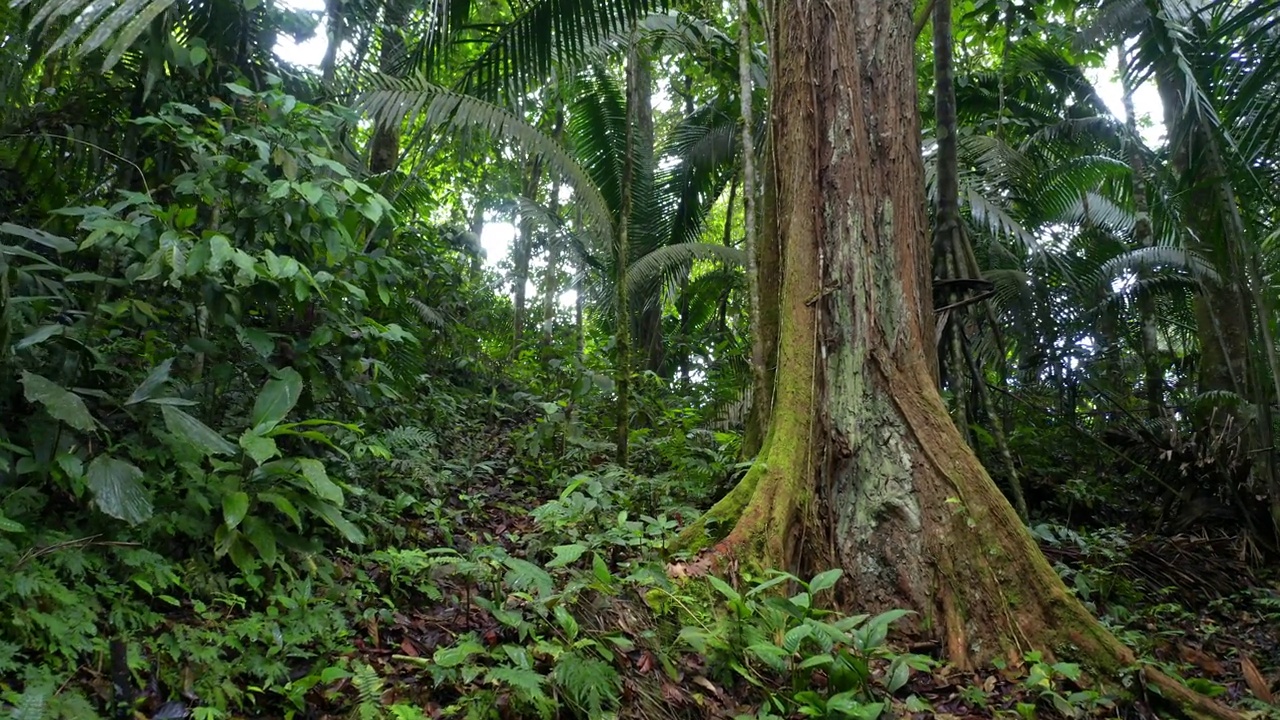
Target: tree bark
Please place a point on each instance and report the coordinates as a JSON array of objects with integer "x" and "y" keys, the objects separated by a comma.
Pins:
[
  {"x": 384, "y": 154},
  {"x": 1153, "y": 378},
  {"x": 521, "y": 250},
  {"x": 639, "y": 127},
  {"x": 759, "y": 389},
  {"x": 862, "y": 469}
]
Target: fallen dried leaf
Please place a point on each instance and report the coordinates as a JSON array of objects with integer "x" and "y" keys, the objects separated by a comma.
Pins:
[{"x": 1258, "y": 684}]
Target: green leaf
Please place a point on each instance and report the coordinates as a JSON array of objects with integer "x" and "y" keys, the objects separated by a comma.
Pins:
[
  {"x": 522, "y": 575},
  {"x": 848, "y": 704},
  {"x": 195, "y": 432},
  {"x": 796, "y": 635},
  {"x": 158, "y": 376},
  {"x": 566, "y": 554},
  {"x": 724, "y": 589},
  {"x": 39, "y": 335},
  {"x": 458, "y": 654},
  {"x": 898, "y": 677},
  {"x": 813, "y": 661},
  {"x": 332, "y": 514},
  {"x": 220, "y": 251},
  {"x": 234, "y": 507},
  {"x": 277, "y": 398},
  {"x": 567, "y": 622},
  {"x": 10, "y": 526},
  {"x": 324, "y": 488},
  {"x": 117, "y": 491},
  {"x": 55, "y": 242},
  {"x": 824, "y": 580},
  {"x": 61, "y": 403},
  {"x": 261, "y": 449},
  {"x": 263, "y": 538},
  {"x": 371, "y": 210},
  {"x": 282, "y": 504},
  {"x": 527, "y": 682}
]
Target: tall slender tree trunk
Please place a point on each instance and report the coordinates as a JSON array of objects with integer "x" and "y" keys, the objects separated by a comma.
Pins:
[
  {"x": 384, "y": 155},
  {"x": 759, "y": 389},
  {"x": 951, "y": 246},
  {"x": 551, "y": 276},
  {"x": 638, "y": 114},
  {"x": 1153, "y": 378},
  {"x": 862, "y": 469},
  {"x": 521, "y": 251}
]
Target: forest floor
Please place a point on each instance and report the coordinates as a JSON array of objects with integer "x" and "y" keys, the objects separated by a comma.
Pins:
[{"x": 1188, "y": 603}]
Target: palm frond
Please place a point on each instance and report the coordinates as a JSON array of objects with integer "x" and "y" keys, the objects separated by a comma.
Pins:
[
  {"x": 656, "y": 265},
  {"x": 412, "y": 100},
  {"x": 547, "y": 34},
  {"x": 1153, "y": 258}
]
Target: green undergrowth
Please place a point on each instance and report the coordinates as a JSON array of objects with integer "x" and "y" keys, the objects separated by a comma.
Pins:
[{"x": 567, "y": 612}]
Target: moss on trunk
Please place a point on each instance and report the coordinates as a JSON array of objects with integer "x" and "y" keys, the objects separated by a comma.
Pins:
[{"x": 862, "y": 468}]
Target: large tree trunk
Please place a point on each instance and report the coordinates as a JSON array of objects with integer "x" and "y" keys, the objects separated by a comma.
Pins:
[{"x": 862, "y": 469}]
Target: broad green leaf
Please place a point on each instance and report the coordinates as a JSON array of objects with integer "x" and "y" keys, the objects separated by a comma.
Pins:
[
  {"x": 195, "y": 432},
  {"x": 263, "y": 537},
  {"x": 813, "y": 661},
  {"x": 824, "y": 580},
  {"x": 458, "y": 654},
  {"x": 61, "y": 403},
  {"x": 55, "y": 242},
  {"x": 220, "y": 251},
  {"x": 277, "y": 398},
  {"x": 261, "y": 449},
  {"x": 174, "y": 401},
  {"x": 566, "y": 554},
  {"x": 567, "y": 622},
  {"x": 724, "y": 589},
  {"x": 332, "y": 514},
  {"x": 310, "y": 192},
  {"x": 10, "y": 526},
  {"x": 158, "y": 376},
  {"x": 234, "y": 507},
  {"x": 898, "y": 676},
  {"x": 371, "y": 210},
  {"x": 796, "y": 635},
  {"x": 282, "y": 504},
  {"x": 117, "y": 489},
  {"x": 238, "y": 550},
  {"x": 39, "y": 335},
  {"x": 313, "y": 471}
]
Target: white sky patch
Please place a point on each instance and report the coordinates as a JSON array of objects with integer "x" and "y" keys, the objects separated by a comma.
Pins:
[
  {"x": 1146, "y": 99},
  {"x": 310, "y": 52}
]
